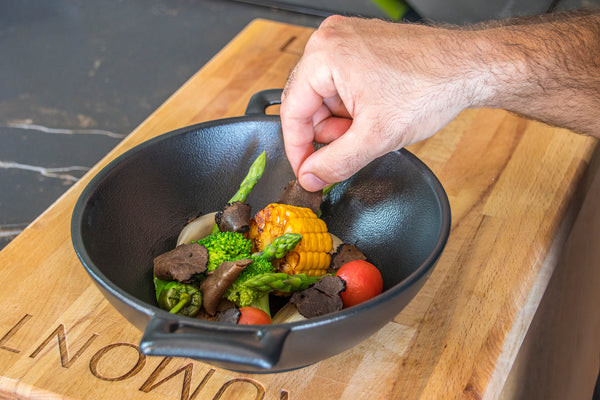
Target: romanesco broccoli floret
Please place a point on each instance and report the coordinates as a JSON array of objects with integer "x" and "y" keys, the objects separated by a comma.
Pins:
[
  {"x": 225, "y": 246},
  {"x": 242, "y": 295}
]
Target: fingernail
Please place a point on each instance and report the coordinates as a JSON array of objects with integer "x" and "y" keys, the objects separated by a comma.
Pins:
[{"x": 311, "y": 182}]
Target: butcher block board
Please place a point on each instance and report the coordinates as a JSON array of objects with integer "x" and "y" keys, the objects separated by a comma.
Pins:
[{"x": 513, "y": 186}]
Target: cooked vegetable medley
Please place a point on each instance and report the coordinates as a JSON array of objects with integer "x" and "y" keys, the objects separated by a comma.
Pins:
[{"x": 231, "y": 273}]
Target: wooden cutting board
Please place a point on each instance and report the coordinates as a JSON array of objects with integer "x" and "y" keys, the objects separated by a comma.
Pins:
[{"x": 511, "y": 182}]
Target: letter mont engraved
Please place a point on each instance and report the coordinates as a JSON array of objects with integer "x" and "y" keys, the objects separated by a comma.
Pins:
[
  {"x": 187, "y": 379},
  {"x": 59, "y": 332},
  {"x": 101, "y": 358},
  {"x": 260, "y": 390},
  {"x": 12, "y": 332},
  {"x": 95, "y": 360}
]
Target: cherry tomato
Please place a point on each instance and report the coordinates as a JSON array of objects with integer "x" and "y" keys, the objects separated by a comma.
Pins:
[
  {"x": 253, "y": 316},
  {"x": 363, "y": 282}
]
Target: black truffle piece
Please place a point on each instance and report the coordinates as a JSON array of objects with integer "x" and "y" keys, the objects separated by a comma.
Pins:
[
  {"x": 296, "y": 195},
  {"x": 182, "y": 263},
  {"x": 230, "y": 315},
  {"x": 235, "y": 217},
  {"x": 343, "y": 255},
  {"x": 320, "y": 298}
]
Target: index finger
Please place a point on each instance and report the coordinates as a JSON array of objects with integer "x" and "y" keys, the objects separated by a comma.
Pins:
[{"x": 303, "y": 95}]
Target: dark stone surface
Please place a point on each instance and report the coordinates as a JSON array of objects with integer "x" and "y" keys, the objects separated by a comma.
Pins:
[{"x": 77, "y": 76}]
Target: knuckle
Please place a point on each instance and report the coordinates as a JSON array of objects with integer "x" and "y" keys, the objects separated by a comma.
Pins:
[
  {"x": 328, "y": 31},
  {"x": 332, "y": 21}
]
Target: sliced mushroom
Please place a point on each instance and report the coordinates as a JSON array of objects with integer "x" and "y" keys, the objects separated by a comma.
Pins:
[{"x": 218, "y": 281}]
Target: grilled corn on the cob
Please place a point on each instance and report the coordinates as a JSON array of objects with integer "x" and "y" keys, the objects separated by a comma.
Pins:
[{"x": 311, "y": 256}]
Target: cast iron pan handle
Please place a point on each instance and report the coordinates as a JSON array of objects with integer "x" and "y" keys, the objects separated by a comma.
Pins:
[
  {"x": 235, "y": 344},
  {"x": 261, "y": 100}
]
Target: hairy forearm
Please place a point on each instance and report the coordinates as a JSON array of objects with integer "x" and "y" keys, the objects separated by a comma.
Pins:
[
  {"x": 546, "y": 68},
  {"x": 366, "y": 87}
]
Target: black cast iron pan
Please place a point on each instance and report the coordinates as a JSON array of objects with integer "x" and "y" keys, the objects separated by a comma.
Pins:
[{"x": 394, "y": 210}]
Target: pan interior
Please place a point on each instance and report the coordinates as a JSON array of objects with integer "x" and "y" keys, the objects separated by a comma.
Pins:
[{"x": 137, "y": 206}]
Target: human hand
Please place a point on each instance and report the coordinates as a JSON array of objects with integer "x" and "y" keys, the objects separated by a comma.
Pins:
[{"x": 367, "y": 87}]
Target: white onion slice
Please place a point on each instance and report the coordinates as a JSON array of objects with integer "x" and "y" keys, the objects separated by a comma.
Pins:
[
  {"x": 288, "y": 313},
  {"x": 197, "y": 229}
]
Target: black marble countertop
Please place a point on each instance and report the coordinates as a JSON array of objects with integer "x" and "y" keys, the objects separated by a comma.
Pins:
[{"x": 78, "y": 76}]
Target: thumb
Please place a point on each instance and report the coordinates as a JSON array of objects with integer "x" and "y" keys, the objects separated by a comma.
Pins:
[{"x": 343, "y": 157}]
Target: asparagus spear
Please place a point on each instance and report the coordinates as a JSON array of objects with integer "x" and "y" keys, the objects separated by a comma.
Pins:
[
  {"x": 254, "y": 173},
  {"x": 280, "y": 246},
  {"x": 281, "y": 282},
  {"x": 244, "y": 295}
]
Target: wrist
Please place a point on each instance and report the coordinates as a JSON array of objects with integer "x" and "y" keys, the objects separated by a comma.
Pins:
[
  {"x": 473, "y": 67},
  {"x": 496, "y": 75}
]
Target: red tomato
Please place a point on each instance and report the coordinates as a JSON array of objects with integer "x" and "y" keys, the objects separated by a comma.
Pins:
[
  {"x": 363, "y": 282},
  {"x": 253, "y": 316}
]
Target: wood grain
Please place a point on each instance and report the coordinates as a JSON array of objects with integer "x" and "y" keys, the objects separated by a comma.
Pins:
[
  {"x": 511, "y": 184},
  {"x": 559, "y": 358}
]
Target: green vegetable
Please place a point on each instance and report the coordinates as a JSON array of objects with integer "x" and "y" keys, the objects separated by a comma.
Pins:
[
  {"x": 326, "y": 191},
  {"x": 159, "y": 285},
  {"x": 281, "y": 282},
  {"x": 254, "y": 173},
  {"x": 243, "y": 295},
  {"x": 328, "y": 188},
  {"x": 225, "y": 246},
  {"x": 262, "y": 303},
  {"x": 230, "y": 246},
  {"x": 178, "y": 298},
  {"x": 280, "y": 246}
]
